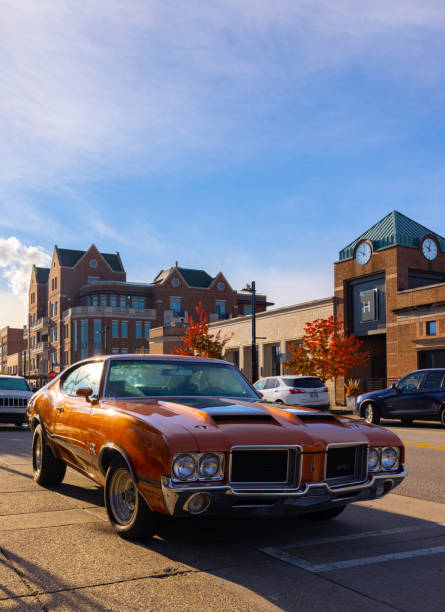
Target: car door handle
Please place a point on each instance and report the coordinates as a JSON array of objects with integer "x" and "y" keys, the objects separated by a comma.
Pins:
[{"x": 60, "y": 408}]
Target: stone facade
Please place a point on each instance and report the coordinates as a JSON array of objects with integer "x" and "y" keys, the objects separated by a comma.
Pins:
[{"x": 275, "y": 330}]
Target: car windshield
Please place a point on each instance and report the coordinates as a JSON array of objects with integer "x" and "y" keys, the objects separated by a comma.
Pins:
[
  {"x": 303, "y": 383},
  {"x": 13, "y": 384},
  {"x": 148, "y": 378}
]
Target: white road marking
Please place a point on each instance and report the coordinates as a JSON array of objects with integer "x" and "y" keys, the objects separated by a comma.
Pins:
[
  {"x": 280, "y": 552},
  {"x": 329, "y": 567},
  {"x": 356, "y": 536}
]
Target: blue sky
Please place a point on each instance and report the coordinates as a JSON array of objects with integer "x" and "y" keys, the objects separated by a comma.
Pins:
[{"x": 253, "y": 137}]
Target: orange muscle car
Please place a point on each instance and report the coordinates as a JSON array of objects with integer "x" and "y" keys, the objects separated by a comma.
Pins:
[{"x": 188, "y": 436}]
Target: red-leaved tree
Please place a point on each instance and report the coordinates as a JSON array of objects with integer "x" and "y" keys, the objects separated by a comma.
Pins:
[
  {"x": 325, "y": 351},
  {"x": 197, "y": 339}
]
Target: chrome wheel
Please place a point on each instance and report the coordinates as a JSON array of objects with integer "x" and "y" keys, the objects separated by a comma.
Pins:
[
  {"x": 371, "y": 414},
  {"x": 122, "y": 496},
  {"x": 38, "y": 454}
]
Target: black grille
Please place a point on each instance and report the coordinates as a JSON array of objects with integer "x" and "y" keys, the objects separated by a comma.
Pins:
[
  {"x": 265, "y": 468},
  {"x": 345, "y": 464},
  {"x": 13, "y": 401}
]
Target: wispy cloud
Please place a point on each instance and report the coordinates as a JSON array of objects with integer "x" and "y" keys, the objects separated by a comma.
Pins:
[
  {"x": 89, "y": 88},
  {"x": 16, "y": 261}
]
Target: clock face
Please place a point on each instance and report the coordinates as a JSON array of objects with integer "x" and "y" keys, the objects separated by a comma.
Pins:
[
  {"x": 363, "y": 253},
  {"x": 429, "y": 249}
]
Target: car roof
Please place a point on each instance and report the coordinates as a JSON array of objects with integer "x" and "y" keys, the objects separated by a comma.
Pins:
[
  {"x": 151, "y": 357},
  {"x": 290, "y": 376}
]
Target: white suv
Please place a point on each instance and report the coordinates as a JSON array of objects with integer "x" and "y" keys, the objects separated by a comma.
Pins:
[
  {"x": 14, "y": 397},
  {"x": 292, "y": 389}
]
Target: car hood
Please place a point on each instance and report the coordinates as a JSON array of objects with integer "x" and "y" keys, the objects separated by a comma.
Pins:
[
  {"x": 220, "y": 423},
  {"x": 15, "y": 393},
  {"x": 375, "y": 394}
]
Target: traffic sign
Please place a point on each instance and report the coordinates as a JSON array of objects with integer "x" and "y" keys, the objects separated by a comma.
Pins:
[{"x": 51, "y": 374}]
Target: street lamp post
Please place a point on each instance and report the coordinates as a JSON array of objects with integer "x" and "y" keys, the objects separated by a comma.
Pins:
[{"x": 251, "y": 289}]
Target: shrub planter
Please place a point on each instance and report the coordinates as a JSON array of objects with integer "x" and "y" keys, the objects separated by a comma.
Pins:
[{"x": 351, "y": 402}]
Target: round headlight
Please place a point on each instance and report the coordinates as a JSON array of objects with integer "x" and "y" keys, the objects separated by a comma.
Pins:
[
  {"x": 208, "y": 466},
  {"x": 184, "y": 467},
  {"x": 389, "y": 458},
  {"x": 373, "y": 459}
]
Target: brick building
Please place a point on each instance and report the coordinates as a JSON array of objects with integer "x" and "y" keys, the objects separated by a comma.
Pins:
[
  {"x": 83, "y": 305},
  {"x": 390, "y": 289},
  {"x": 11, "y": 342}
]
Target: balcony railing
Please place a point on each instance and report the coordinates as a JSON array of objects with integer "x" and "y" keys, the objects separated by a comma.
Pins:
[
  {"x": 40, "y": 347},
  {"x": 109, "y": 311},
  {"x": 41, "y": 323},
  {"x": 175, "y": 316}
]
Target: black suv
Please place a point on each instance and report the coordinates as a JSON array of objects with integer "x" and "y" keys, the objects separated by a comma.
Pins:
[{"x": 419, "y": 395}]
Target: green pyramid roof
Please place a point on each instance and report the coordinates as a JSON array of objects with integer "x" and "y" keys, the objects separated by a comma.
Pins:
[{"x": 393, "y": 230}]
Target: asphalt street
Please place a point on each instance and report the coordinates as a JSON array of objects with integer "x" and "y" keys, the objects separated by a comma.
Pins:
[{"x": 57, "y": 551}]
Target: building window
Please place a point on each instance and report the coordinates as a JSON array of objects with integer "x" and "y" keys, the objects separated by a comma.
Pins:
[
  {"x": 138, "y": 351},
  {"x": 138, "y": 302},
  {"x": 138, "y": 329},
  {"x": 103, "y": 300},
  {"x": 93, "y": 263},
  {"x": 175, "y": 306},
  {"x": 114, "y": 350},
  {"x": 122, "y": 301},
  {"x": 94, "y": 300},
  {"x": 431, "y": 328},
  {"x": 247, "y": 310},
  {"x": 83, "y": 339},
  {"x": 175, "y": 282},
  {"x": 75, "y": 338},
  {"x": 146, "y": 330},
  {"x": 124, "y": 329},
  {"x": 124, "y": 350},
  {"x": 93, "y": 279},
  {"x": 56, "y": 308},
  {"x": 276, "y": 360},
  {"x": 51, "y": 309},
  {"x": 220, "y": 286},
  {"x": 115, "y": 329},
  {"x": 113, "y": 300},
  {"x": 220, "y": 308},
  {"x": 97, "y": 336}
]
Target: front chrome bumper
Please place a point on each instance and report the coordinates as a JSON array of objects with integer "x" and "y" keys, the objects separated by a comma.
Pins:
[{"x": 224, "y": 500}]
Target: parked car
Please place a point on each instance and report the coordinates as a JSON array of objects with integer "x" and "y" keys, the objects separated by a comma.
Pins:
[
  {"x": 419, "y": 395},
  {"x": 292, "y": 389},
  {"x": 14, "y": 396},
  {"x": 188, "y": 436}
]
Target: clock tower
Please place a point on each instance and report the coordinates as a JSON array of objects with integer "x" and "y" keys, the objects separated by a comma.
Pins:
[{"x": 389, "y": 283}]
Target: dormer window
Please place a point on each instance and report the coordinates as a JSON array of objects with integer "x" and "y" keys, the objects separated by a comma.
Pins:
[
  {"x": 175, "y": 282},
  {"x": 220, "y": 286},
  {"x": 93, "y": 263}
]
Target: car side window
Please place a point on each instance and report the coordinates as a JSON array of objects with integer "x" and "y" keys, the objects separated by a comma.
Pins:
[
  {"x": 68, "y": 385},
  {"x": 410, "y": 382},
  {"x": 259, "y": 385},
  {"x": 433, "y": 380},
  {"x": 270, "y": 383},
  {"x": 90, "y": 375},
  {"x": 87, "y": 375}
]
